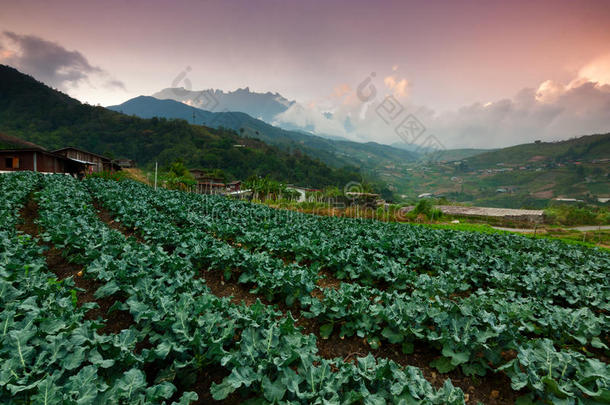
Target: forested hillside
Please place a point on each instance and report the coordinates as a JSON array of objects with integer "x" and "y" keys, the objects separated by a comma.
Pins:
[
  {"x": 34, "y": 112},
  {"x": 582, "y": 148},
  {"x": 333, "y": 152}
]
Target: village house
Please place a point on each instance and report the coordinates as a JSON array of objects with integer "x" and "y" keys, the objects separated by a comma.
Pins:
[
  {"x": 125, "y": 163},
  {"x": 199, "y": 174},
  {"x": 210, "y": 186},
  {"x": 17, "y": 155},
  {"x": 37, "y": 160},
  {"x": 95, "y": 163},
  {"x": 234, "y": 186},
  {"x": 207, "y": 184},
  {"x": 363, "y": 199}
]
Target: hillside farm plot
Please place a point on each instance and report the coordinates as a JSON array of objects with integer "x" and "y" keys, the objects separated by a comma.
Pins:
[{"x": 112, "y": 292}]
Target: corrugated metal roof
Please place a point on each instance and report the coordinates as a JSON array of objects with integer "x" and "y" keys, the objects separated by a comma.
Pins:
[
  {"x": 82, "y": 161},
  {"x": 81, "y": 150}
]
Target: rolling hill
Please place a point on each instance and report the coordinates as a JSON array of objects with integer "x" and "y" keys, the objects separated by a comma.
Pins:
[
  {"x": 333, "y": 152},
  {"x": 583, "y": 148},
  {"x": 446, "y": 154},
  {"x": 522, "y": 176},
  {"x": 34, "y": 112}
]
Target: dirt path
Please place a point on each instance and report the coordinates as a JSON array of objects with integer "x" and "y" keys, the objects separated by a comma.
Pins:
[{"x": 586, "y": 228}]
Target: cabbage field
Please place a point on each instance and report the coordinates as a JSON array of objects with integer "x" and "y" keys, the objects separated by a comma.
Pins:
[{"x": 114, "y": 293}]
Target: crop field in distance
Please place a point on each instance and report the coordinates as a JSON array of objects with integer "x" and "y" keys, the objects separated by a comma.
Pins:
[{"x": 114, "y": 293}]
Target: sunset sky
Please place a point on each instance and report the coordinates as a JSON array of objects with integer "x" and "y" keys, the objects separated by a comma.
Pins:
[{"x": 494, "y": 72}]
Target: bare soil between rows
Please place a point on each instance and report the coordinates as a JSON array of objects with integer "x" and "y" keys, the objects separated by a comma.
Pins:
[
  {"x": 207, "y": 375},
  {"x": 492, "y": 389},
  {"x": 115, "y": 321}
]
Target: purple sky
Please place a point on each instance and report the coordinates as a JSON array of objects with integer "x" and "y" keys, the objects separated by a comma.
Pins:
[{"x": 450, "y": 54}]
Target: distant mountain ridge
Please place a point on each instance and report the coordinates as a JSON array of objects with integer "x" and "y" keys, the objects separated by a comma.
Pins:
[
  {"x": 334, "y": 152},
  {"x": 264, "y": 106},
  {"x": 34, "y": 112}
]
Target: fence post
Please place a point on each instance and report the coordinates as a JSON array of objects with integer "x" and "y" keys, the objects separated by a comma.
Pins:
[{"x": 156, "y": 167}]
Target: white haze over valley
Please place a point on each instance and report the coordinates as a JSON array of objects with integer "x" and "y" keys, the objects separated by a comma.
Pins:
[{"x": 552, "y": 111}]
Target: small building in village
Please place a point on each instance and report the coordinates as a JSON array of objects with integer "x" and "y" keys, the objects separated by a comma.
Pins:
[
  {"x": 95, "y": 163},
  {"x": 125, "y": 163},
  {"x": 17, "y": 154},
  {"x": 210, "y": 186},
  {"x": 234, "y": 186},
  {"x": 364, "y": 199},
  {"x": 207, "y": 184},
  {"x": 303, "y": 192},
  {"x": 37, "y": 160},
  {"x": 198, "y": 174}
]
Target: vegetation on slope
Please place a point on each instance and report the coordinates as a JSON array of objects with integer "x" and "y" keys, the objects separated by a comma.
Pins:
[
  {"x": 582, "y": 148},
  {"x": 34, "y": 112},
  {"x": 335, "y": 153},
  {"x": 523, "y": 176}
]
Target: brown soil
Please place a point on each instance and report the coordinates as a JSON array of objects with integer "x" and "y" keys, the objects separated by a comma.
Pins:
[
  {"x": 106, "y": 217},
  {"x": 62, "y": 268},
  {"x": 350, "y": 348},
  {"x": 237, "y": 291},
  {"x": 327, "y": 280},
  {"x": 28, "y": 214},
  {"x": 493, "y": 389},
  {"x": 548, "y": 194},
  {"x": 205, "y": 378},
  {"x": 214, "y": 280}
]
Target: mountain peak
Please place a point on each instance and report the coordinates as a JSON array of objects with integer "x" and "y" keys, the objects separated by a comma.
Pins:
[{"x": 265, "y": 106}]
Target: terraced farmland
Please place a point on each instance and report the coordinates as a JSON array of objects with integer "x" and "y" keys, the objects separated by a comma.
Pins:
[{"x": 112, "y": 292}]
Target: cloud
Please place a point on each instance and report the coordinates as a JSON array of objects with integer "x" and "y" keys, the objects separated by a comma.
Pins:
[
  {"x": 50, "y": 62},
  {"x": 115, "y": 84},
  {"x": 549, "y": 91},
  {"x": 598, "y": 71},
  {"x": 398, "y": 87},
  {"x": 551, "y": 111},
  {"x": 341, "y": 90},
  {"x": 310, "y": 118}
]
